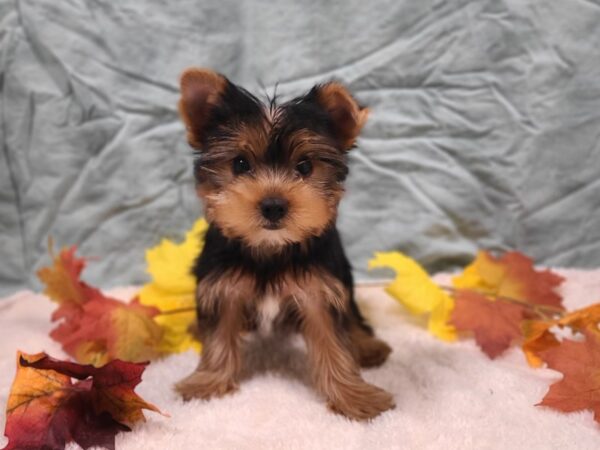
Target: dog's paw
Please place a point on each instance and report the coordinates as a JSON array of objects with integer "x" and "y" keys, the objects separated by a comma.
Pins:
[
  {"x": 372, "y": 352},
  {"x": 361, "y": 401},
  {"x": 205, "y": 385}
]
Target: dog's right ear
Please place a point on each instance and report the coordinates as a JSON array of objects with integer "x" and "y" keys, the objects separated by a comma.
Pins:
[{"x": 201, "y": 90}]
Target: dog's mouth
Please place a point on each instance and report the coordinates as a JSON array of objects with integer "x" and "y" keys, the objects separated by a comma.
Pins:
[{"x": 272, "y": 226}]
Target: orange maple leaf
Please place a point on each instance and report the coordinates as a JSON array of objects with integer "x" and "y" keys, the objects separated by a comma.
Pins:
[
  {"x": 46, "y": 409},
  {"x": 94, "y": 328},
  {"x": 579, "y": 362},
  {"x": 495, "y": 324},
  {"x": 62, "y": 280},
  {"x": 539, "y": 337}
]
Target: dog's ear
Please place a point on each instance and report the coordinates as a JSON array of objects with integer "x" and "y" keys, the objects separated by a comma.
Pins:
[
  {"x": 201, "y": 90},
  {"x": 346, "y": 115}
]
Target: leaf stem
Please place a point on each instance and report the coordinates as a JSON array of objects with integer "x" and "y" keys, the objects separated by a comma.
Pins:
[{"x": 545, "y": 311}]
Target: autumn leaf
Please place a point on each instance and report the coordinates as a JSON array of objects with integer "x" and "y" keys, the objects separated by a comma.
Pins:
[
  {"x": 494, "y": 323},
  {"x": 46, "y": 409},
  {"x": 113, "y": 384},
  {"x": 63, "y": 283},
  {"x": 539, "y": 336},
  {"x": 581, "y": 319},
  {"x": 94, "y": 328},
  {"x": 414, "y": 289},
  {"x": 495, "y": 294},
  {"x": 172, "y": 289},
  {"x": 511, "y": 275},
  {"x": 579, "y": 362}
]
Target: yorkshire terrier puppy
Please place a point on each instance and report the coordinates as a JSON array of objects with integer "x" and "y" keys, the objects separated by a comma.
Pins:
[{"x": 271, "y": 177}]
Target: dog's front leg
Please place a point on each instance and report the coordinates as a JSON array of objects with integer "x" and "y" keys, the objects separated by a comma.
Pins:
[
  {"x": 220, "y": 320},
  {"x": 334, "y": 369}
]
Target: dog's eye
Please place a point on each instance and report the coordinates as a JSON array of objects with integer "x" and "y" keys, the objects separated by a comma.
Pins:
[
  {"x": 240, "y": 165},
  {"x": 304, "y": 167}
]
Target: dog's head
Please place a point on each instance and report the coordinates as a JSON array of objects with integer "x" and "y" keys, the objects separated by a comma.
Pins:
[{"x": 269, "y": 174}]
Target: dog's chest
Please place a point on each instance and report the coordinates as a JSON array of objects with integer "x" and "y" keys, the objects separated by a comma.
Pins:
[{"x": 267, "y": 311}]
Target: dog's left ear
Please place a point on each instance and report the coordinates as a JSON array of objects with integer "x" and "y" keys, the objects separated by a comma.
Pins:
[{"x": 346, "y": 115}]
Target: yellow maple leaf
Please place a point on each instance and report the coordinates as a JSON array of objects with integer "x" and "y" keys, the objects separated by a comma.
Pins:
[
  {"x": 173, "y": 288},
  {"x": 414, "y": 289}
]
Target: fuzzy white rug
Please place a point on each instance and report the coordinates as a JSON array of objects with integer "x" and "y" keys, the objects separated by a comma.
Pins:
[{"x": 449, "y": 396}]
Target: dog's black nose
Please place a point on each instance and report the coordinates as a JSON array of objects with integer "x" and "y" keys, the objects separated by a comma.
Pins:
[{"x": 274, "y": 208}]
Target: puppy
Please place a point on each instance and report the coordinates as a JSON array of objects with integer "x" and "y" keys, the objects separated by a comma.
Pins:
[{"x": 271, "y": 178}]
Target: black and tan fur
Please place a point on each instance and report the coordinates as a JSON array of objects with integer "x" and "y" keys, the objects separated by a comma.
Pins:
[{"x": 271, "y": 177}]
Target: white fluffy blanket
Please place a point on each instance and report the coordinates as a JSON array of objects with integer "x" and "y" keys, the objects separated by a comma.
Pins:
[{"x": 449, "y": 396}]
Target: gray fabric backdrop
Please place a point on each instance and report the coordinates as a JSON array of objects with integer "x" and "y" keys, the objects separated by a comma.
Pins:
[{"x": 484, "y": 131}]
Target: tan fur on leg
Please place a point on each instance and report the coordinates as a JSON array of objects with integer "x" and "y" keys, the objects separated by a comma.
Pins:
[
  {"x": 334, "y": 370},
  {"x": 219, "y": 368}
]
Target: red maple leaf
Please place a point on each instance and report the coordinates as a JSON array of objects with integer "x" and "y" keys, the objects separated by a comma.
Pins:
[
  {"x": 495, "y": 323},
  {"x": 579, "y": 362},
  {"x": 494, "y": 294},
  {"x": 523, "y": 281},
  {"x": 46, "y": 409},
  {"x": 94, "y": 328},
  {"x": 511, "y": 275}
]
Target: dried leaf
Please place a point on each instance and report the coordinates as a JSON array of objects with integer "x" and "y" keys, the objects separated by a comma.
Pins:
[
  {"x": 538, "y": 335},
  {"x": 581, "y": 319},
  {"x": 579, "y": 362},
  {"x": 63, "y": 283},
  {"x": 94, "y": 328},
  {"x": 495, "y": 324},
  {"x": 173, "y": 288},
  {"x": 537, "y": 338},
  {"x": 46, "y": 409},
  {"x": 511, "y": 275},
  {"x": 417, "y": 292}
]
